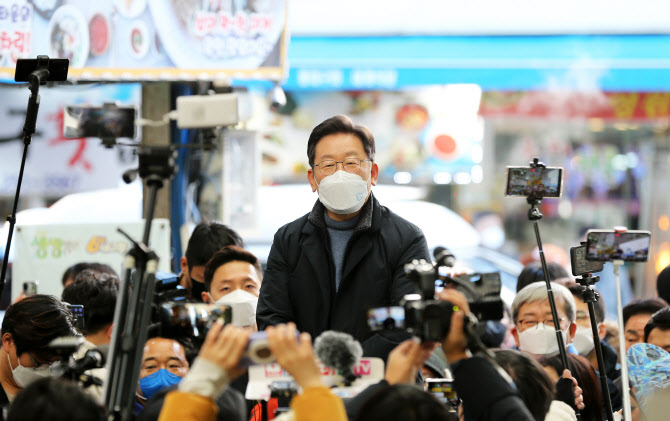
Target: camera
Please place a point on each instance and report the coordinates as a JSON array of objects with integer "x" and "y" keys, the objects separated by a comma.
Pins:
[
  {"x": 191, "y": 320},
  {"x": 538, "y": 181},
  {"x": 429, "y": 319}
]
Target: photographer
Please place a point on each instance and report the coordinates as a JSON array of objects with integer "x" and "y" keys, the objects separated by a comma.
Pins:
[
  {"x": 486, "y": 395},
  {"x": 97, "y": 292},
  {"x": 205, "y": 241},
  {"x": 217, "y": 365},
  {"x": 27, "y": 329}
]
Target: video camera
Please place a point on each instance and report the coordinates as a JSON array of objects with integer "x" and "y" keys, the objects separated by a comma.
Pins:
[{"x": 429, "y": 319}]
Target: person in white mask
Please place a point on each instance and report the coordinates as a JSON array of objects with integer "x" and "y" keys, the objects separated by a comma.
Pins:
[
  {"x": 347, "y": 255},
  {"x": 233, "y": 277},
  {"x": 533, "y": 329},
  {"x": 27, "y": 328}
]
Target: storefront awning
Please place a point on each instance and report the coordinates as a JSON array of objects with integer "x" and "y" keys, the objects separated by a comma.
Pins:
[{"x": 573, "y": 62}]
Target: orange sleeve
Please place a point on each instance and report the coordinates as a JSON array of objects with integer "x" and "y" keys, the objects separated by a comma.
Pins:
[
  {"x": 181, "y": 406},
  {"x": 318, "y": 404}
]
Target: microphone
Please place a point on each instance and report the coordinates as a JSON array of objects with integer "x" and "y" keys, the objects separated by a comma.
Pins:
[
  {"x": 340, "y": 351},
  {"x": 443, "y": 257}
]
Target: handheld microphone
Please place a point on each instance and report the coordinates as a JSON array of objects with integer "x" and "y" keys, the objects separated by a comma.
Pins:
[
  {"x": 443, "y": 257},
  {"x": 340, "y": 351}
]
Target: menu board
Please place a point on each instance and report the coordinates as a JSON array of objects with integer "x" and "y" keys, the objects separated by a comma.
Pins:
[{"x": 148, "y": 39}]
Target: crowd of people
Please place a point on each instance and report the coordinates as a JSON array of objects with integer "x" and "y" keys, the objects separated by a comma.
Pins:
[{"x": 324, "y": 271}]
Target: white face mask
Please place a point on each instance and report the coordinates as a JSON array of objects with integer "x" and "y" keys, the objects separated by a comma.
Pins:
[
  {"x": 243, "y": 305},
  {"x": 540, "y": 340},
  {"x": 23, "y": 376},
  {"x": 343, "y": 193},
  {"x": 583, "y": 340}
]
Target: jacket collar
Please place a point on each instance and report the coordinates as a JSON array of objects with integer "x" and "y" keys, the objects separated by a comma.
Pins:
[{"x": 369, "y": 218}]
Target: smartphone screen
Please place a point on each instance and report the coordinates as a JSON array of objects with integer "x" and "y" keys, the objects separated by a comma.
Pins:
[
  {"x": 110, "y": 122},
  {"x": 385, "y": 318},
  {"x": 541, "y": 181},
  {"x": 443, "y": 389},
  {"x": 607, "y": 245},
  {"x": 580, "y": 265}
]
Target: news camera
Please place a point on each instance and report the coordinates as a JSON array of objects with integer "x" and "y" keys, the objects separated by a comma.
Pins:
[{"x": 429, "y": 319}]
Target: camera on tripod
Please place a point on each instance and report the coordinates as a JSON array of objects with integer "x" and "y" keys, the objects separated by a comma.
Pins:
[{"x": 429, "y": 319}]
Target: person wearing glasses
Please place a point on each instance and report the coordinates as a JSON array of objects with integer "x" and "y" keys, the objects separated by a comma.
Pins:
[
  {"x": 533, "y": 329},
  {"x": 28, "y": 327},
  {"x": 347, "y": 255}
]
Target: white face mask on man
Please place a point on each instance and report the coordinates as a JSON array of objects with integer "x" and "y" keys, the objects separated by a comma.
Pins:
[
  {"x": 583, "y": 340},
  {"x": 243, "y": 305},
  {"x": 343, "y": 192},
  {"x": 540, "y": 340},
  {"x": 24, "y": 376}
]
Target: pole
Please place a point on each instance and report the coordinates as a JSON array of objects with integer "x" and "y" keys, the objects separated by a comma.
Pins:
[
  {"x": 625, "y": 385},
  {"x": 35, "y": 79},
  {"x": 590, "y": 296}
]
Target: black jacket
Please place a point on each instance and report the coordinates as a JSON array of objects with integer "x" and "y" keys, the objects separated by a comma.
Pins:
[{"x": 299, "y": 281}]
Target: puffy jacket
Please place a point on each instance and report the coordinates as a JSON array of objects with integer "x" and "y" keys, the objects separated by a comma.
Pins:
[{"x": 299, "y": 281}]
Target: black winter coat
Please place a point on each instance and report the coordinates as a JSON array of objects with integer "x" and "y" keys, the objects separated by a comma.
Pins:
[{"x": 299, "y": 281}]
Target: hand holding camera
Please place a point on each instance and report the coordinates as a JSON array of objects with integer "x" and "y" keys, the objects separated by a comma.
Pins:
[
  {"x": 224, "y": 346},
  {"x": 455, "y": 345},
  {"x": 295, "y": 354}
]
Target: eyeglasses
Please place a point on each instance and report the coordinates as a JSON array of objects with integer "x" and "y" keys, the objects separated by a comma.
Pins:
[
  {"x": 527, "y": 323},
  {"x": 328, "y": 167}
]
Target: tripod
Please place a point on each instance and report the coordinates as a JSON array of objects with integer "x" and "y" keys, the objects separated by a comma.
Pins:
[
  {"x": 36, "y": 73},
  {"x": 590, "y": 296},
  {"x": 133, "y": 307}
]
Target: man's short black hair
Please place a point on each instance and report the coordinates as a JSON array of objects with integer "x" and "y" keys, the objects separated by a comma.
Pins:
[
  {"x": 97, "y": 292},
  {"x": 340, "y": 124},
  {"x": 533, "y": 272},
  {"x": 659, "y": 320},
  {"x": 227, "y": 255},
  {"x": 642, "y": 306},
  {"x": 35, "y": 321},
  {"x": 55, "y": 399},
  {"x": 74, "y": 270},
  {"x": 190, "y": 349},
  {"x": 207, "y": 239},
  {"x": 577, "y": 289}
]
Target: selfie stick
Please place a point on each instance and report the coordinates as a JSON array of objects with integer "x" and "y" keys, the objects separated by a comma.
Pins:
[
  {"x": 133, "y": 308},
  {"x": 534, "y": 214},
  {"x": 39, "y": 76},
  {"x": 625, "y": 391},
  {"x": 590, "y": 296}
]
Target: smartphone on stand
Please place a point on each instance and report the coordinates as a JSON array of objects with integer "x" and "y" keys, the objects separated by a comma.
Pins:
[
  {"x": 541, "y": 181},
  {"x": 608, "y": 245}
]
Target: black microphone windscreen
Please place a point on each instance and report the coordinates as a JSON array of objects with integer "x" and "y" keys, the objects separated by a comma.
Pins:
[{"x": 338, "y": 350}]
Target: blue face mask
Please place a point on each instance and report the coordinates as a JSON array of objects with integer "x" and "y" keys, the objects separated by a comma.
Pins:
[{"x": 161, "y": 379}]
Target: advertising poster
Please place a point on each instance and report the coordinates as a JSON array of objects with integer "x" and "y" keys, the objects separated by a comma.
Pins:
[
  {"x": 43, "y": 252},
  {"x": 55, "y": 165},
  {"x": 148, "y": 39}
]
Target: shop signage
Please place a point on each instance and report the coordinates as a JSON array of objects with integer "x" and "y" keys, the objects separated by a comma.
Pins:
[
  {"x": 548, "y": 104},
  {"x": 148, "y": 39}
]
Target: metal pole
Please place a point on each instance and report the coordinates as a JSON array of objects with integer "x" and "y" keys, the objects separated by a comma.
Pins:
[{"x": 625, "y": 385}]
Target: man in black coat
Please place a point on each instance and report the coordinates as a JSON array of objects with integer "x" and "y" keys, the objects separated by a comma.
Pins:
[{"x": 326, "y": 269}]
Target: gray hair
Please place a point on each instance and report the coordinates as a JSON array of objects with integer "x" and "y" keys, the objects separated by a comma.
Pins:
[{"x": 537, "y": 291}]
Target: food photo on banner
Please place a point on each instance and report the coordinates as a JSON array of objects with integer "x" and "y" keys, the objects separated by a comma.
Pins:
[{"x": 147, "y": 39}]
